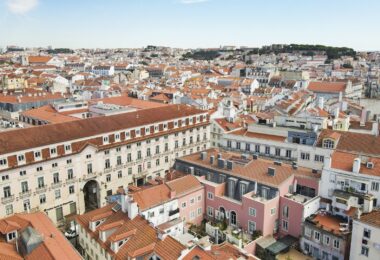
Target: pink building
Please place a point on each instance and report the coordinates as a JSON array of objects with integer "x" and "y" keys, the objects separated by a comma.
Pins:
[{"x": 253, "y": 193}]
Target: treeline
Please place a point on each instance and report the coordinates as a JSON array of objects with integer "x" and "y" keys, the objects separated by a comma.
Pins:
[
  {"x": 202, "y": 55},
  {"x": 60, "y": 50},
  {"x": 306, "y": 49}
]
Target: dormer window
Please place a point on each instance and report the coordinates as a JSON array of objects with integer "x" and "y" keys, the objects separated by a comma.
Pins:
[
  {"x": 11, "y": 236},
  {"x": 105, "y": 140},
  {"x": 67, "y": 147},
  {"x": 191, "y": 120},
  {"x": 328, "y": 143},
  {"x": 3, "y": 162},
  {"x": 183, "y": 122},
  {"x": 165, "y": 126},
  {"x": 53, "y": 151},
  {"x": 127, "y": 135},
  {"x": 175, "y": 123},
  {"x": 198, "y": 119},
  {"x": 155, "y": 128},
  {"x": 21, "y": 158},
  {"x": 117, "y": 137},
  {"x": 138, "y": 132},
  {"x": 37, "y": 154}
]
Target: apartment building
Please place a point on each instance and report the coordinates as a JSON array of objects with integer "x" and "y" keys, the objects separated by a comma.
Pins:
[
  {"x": 291, "y": 140},
  {"x": 326, "y": 236},
  {"x": 33, "y": 236},
  {"x": 352, "y": 183},
  {"x": 72, "y": 167},
  {"x": 115, "y": 232},
  {"x": 253, "y": 193},
  {"x": 365, "y": 241}
]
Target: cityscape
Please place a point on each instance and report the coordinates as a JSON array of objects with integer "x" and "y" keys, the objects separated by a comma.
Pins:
[{"x": 184, "y": 130}]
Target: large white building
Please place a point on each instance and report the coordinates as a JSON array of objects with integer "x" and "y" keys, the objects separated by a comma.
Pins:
[{"x": 72, "y": 167}]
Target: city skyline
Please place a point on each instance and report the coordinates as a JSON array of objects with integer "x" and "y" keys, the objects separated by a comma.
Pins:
[{"x": 187, "y": 23}]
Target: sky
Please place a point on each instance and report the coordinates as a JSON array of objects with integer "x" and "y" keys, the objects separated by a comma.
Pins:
[{"x": 189, "y": 23}]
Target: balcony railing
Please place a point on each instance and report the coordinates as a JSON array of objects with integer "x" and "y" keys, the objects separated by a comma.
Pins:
[
  {"x": 56, "y": 185},
  {"x": 41, "y": 189},
  {"x": 173, "y": 212},
  {"x": 8, "y": 199},
  {"x": 70, "y": 181},
  {"x": 25, "y": 194}
]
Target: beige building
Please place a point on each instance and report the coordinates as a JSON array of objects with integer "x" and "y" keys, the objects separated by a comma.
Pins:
[{"x": 72, "y": 167}]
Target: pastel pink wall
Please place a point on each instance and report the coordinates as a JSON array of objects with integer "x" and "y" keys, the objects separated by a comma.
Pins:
[
  {"x": 309, "y": 182},
  {"x": 295, "y": 217},
  {"x": 186, "y": 212},
  {"x": 284, "y": 187}
]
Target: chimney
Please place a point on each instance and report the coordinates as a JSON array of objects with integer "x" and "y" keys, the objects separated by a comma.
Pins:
[
  {"x": 221, "y": 163},
  {"x": 133, "y": 208},
  {"x": 230, "y": 165},
  {"x": 363, "y": 117},
  {"x": 327, "y": 163},
  {"x": 203, "y": 156},
  {"x": 336, "y": 112},
  {"x": 212, "y": 158},
  {"x": 271, "y": 171},
  {"x": 255, "y": 157},
  {"x": 124, "y": 201},
  {"x": 356, "y": 165},
  {"x": 321, "y": 102}
]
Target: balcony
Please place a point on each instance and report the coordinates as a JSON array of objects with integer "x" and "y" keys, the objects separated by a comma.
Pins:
[
  {"x": 41, "y": 189},
  {"x": 25, "y": 194},
  {"x": 8, "y": 199},
  {"x": 107, "y": 170},
  {"x": 56, "y": 185},
  {"x": 173, "y": 212},
  {"x": 70, "y": 181}
]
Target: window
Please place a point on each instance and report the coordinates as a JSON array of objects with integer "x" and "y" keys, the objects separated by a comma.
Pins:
[
  {"x": 319, "y": 158},
  {"x": 7, "y": 192},
  {"x": 148, "y": 152},
  {"x": 210, "y": 211},
  {"x": 11, "y": 236},
  {"x": 183, "y": 204},
  {"x": 238, "y": 145},
  {"x": 21, "y": 158},
  {"x": 192, "y": 214},
  {"x": 129, "y": 171},
  {"x": 6, "y": 177},
  {"x": 365, "y": 251},
  {"x": 192, "y": 201},
  {"x": 71, "y": 189},
  {"x": 199, "y": 211},
  {"x": 108, "y": 177},
  {"x": 106, "y": 152},
  {"x": 9, "y": 209},
  {"x": 69, "y": 161},
  {"x": 149, "y": 165},
  {"x": 39, "y": 169},
  {"x": 210, "y": 195},
  {"x": 307, "y": 232},
  {"x": 57, "y": 194},
  {"x": 54, "y": 165},
  {"x": 117, "y": 137},
  {"x": 105, "y": 139},
  {"x": 118, "y": 160},
  {"x": 367, "y": 233},
  {"x": 88, "y": 156},
  {"x": 41, "y": 182},
  {"x": 129, "y": 157},
  {"x": 67, "y": 147},
  {"x": 285, "y": 225},
  {"x": 257, "y": 148},
  {"x": 120, "y": 174},
  {"x": 157, "y": 149},
  {"x": 328, "y": 143},
  {"x": 317, "y": 235},
  {"x": 305, "y": 156},
  {"x": 70, "y": 174},
  {"x": 336, "y": 243},
  {"x": 37, "y": 154},
  {"x": 107, "y": 164},
  {"x": 166, "y": 147},
  {"x": 118, "y": 149},
  {"x": 56, "y": 177},
  {"x": 285, "y": 212},
  {"x": 89, "y": 168},
  {"x": 24, "y": 186},
  {"x": 199, "y": 197},
  {"x": 166, "y": 159},
  {"x": 42, "y": 198},
  {"x": 267, "y": 150},
  {"x": 157, "y": 162},
  {"x": 53, "y": 151},
  {"x": 252, "y": 212},
  {"x": 273, "y": 211},
  {"x": 288, "y": 153},
  {"x": 375, "y": 186},
  {"x": 326, "y": 240},
  {"x": 278, "y": 151},
  {"x": 251, "y": 226}
]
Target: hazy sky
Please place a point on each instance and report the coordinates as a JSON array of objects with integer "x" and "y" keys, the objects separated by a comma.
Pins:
[{"x": 189, "y": 23}]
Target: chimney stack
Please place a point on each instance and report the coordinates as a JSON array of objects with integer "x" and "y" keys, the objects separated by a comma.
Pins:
[
  {"x": 203, "y": 156},
  {"x": 356, "y": 165},
  {"x": 212, "y": 158}
]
